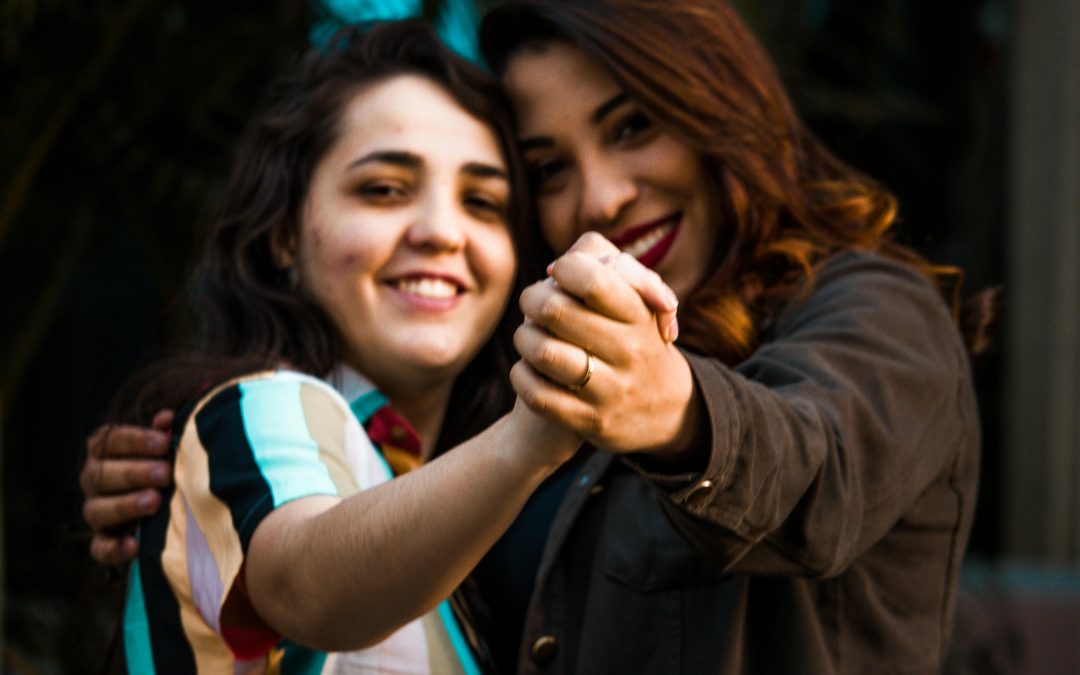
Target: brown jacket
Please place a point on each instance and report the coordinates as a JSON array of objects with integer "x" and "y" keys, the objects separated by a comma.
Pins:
[{"x": 826, "y": 533}]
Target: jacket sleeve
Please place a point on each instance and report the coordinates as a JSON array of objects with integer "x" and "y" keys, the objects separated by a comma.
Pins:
[{"x": 832, "y": 429}]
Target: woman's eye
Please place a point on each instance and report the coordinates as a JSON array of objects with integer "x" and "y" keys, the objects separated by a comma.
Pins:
[
  {"x": 381, "y": 190},
  {"x": 485, "y": 205},
  {"x": 543, "y": 171},
  {"x": 631, "y": 126}
]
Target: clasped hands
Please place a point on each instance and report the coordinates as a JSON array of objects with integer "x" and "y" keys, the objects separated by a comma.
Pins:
[
  {"x": 597, "y": 352},
  {"x": 600, "y": 311}
]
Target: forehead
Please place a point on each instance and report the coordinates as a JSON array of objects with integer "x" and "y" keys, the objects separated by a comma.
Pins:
[
  {"x": 414, "y": 113},
  {"x": 555, "y": 84}
]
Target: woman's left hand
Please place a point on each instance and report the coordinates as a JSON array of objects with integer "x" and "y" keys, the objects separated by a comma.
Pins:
[{"x": 640, "y": 394}]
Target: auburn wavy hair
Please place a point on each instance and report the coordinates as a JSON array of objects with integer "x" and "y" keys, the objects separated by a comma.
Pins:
[{"x": 787, "y": 202}]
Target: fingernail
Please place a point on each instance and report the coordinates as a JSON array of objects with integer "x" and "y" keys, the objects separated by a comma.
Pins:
[
  {"x": 156, "y": 442},
  {"x": 673, "y": 329},
  {"x": 673, "y": 300},
  {"x": 159, "y": 475},
  {"x": 550, "y": 268},
  {"x": 145, "y": 502}
]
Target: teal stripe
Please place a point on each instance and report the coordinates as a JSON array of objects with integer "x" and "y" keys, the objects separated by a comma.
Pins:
[
  {"x": 137, "y": 650},
  {"x": 283, "y": 448},
  {"x": 457, "y": 639},
  {"x": 301, "y": 660},
  {"x": 365, "y": 406}
]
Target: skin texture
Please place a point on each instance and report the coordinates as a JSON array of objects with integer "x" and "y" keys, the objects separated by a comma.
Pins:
[
  {"x": 603, "y": 168},
  {"x": 404, "y": 242},
  {"x": 599, "y": 163}
]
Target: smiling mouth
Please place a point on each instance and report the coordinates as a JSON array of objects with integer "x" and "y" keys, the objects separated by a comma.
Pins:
[
  {"x": 427, "y": 287},
  {"x": 649, "y": 243}
]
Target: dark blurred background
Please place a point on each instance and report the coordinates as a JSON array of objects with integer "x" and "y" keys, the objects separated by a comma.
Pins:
[{"x": 117, "y": 119}]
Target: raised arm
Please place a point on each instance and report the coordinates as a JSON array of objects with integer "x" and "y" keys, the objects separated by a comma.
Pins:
[
  {"x": 855, "y": 413},
  {"x": 328, "y": 561}
]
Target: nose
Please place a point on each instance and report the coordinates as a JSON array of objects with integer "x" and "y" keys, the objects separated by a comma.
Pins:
[
  {"x": 606, "y": 191},
  {"x": 437, "y": 226}
]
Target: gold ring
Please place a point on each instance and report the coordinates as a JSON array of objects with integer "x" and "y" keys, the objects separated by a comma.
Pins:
[{"x": 578, "y": 386}]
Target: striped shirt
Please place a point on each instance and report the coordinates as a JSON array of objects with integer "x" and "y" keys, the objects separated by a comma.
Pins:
[{"x": 249, "y": 446}]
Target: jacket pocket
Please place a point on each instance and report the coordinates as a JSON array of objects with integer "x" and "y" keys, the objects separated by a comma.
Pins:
[{"x": 639, "y": 546}]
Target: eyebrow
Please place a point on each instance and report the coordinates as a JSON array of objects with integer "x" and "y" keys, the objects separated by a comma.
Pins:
[
  {"x": 479, "y": 170},
  {"x": 602, "y": 111},
  {"x": 605, "y": 108},
  {"x": 405, "y": 159},
  {"x": 411, "y": 160}
]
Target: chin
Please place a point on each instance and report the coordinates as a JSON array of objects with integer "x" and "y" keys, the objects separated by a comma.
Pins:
[{"x": 447, "y": 359}]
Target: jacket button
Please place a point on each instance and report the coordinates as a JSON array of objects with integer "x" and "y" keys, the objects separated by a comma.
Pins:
[
  {"x": 544, "y": 650},
  {"x": 699, "y": 492}
]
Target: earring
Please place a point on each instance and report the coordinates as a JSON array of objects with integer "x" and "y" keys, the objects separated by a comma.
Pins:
[{"x": 292, "y": 277}]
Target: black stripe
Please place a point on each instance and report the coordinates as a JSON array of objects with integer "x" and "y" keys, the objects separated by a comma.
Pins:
[
  {"x": 235, "y": 478},
  {"x": 171, "y": 651}
]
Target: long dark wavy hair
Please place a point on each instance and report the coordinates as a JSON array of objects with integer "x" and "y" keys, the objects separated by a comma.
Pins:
[
  {"x": 243, "y": 313},
  {"x": 787, "y": 202}
]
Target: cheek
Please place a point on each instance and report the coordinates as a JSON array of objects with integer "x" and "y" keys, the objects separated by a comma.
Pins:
[
  {"x": 556, "y": 223},
  {"x": 333, "y": 256},
  {"x": 494, "y": 261}
]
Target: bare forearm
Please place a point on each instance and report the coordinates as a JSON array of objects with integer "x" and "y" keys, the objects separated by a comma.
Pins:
[{"x": 349, "y": 576}]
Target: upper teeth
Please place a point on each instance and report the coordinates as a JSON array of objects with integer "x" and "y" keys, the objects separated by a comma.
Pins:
[
  {"x": 642, "y": 244},
  {"x": 428, "y": 288}
]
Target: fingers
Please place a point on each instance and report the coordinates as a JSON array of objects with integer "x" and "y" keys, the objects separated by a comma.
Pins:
[
  {"x": 128, "y": 441},
  {"x": 113, "y": 550},
  {"x": 652, "y": 289},
  {"x": 553, "y": 401},
  {"x": 599, "y": 287},
  {"x": 124, "y": 475},
  {"x": 121, "y": 478},
  {"x": 550, "y": 308},
  {"x": 561, "y": 362},
  {"x": 649, "y": 285},
  {"x": 107, "y": 512},
  {"x": 163, "y": 420},
  {"x": 594, "y": 245}
]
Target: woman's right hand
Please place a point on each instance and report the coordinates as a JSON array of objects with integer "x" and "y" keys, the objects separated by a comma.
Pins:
[
  {"x": 124, "y": 472},
  {"x": 656, "y": 295}
]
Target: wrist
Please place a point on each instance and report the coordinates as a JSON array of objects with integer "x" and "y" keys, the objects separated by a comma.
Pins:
[
  {"x": 688, "y": 455},
  {"x": 534, "y": 443},
  {"x": 687, "y": 447}
]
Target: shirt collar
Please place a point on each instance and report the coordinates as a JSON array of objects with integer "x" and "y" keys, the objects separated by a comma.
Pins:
[
  {"x": 363, "y": 397},
  {"x": 397, "y": 439}
]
